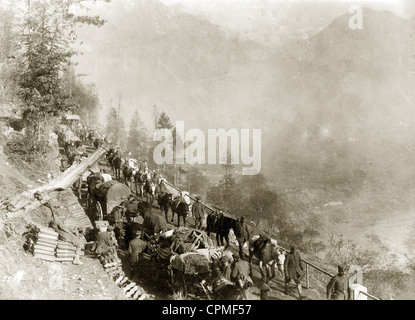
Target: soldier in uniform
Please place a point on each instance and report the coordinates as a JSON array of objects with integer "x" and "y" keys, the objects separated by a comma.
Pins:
[
  {"x": 293, "y": 269},
  {"x": 336, "y": 289},
  {"x": 136, "y": 247}
]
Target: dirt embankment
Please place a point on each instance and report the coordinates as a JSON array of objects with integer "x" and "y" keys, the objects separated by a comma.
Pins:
[{"x": 21, "y": 275}]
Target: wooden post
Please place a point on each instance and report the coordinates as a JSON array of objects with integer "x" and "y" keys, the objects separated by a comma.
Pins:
[
  {"x": 307, "y": 276},
  {"x": 80, "y": 188}
]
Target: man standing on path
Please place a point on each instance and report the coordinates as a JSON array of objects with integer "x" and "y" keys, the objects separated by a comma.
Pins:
[
  {"x": 136, "y": 247},
  {"x": 129, "y": 232},
  {"x": 336, "y": 289},
  {"x": 242, "y": 235},
  {"x": 293, "y": 270},
  {"x": 198, "y": 212}
]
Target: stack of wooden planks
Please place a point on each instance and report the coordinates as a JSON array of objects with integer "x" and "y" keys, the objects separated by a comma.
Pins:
[
  {"x": 45, "y": 245},
  {"x": 79, "y": 214},
  {"x": 101, "y": 224},
  {"x": 130, "y": 288},
  {"x": 111, "y": 263}
]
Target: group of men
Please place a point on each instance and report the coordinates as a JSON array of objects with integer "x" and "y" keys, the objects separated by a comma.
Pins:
[
  {"x": 231, "y": 268},
  {"x": 106, "y": 243}
]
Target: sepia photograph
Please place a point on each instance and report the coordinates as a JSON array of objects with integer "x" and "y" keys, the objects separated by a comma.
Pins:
[{"x": 186, "y": 151}]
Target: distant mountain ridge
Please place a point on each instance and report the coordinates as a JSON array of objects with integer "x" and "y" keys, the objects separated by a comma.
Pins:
[{"x": 333, "y": 102}]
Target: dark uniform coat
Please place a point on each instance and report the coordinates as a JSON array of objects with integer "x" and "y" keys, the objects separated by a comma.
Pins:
[
  {"x": 198, "y": 209},
  {"x": 137, "y": 246},
  {"x": 292, "y": 265},
  {"x": 103, "y": 242}
]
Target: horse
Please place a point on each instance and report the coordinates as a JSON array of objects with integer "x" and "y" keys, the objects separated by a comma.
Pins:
[
  {"x": 134, "y": 207},
  {"x": 92, "y": 181},
  {"x": 127, "y": 173},
  {"x": 265, "y": 250},
  {"x": 181, "y": 208},
  {"x": 110, "y": 155},
  {"x": 211, "y": 221},
  {"x": 164, "y": 200},
  {"x": 221, "y": 225}
]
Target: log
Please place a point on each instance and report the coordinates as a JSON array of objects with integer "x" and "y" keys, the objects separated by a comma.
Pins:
[
  {"x": 66, "y": 246},
  {"x": 137, "y": 294},
  {"x": 27, "y": 201},
  {"x": 46, "y": 236},
  {"x": 128, "y": 287},
  {"x": 45, "y": 252},
  {"x": 123, "y": 281},
  {"x": 50, "y": 249},
  {"x": 46, "y": 240},
  {"x": 64, "y": 259},
  {"x": 133, "y": 290},
  {"x": 45, "y": 244},
  {"x": 44, "y": 257},
  {"x": 46, "y": 230}
]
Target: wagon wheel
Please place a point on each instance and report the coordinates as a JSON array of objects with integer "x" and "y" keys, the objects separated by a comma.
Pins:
[{"x": 100, "y": 214}]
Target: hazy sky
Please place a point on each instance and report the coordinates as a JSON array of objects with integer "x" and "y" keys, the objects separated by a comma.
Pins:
[
  {"x": 287, "y": 15},
  {"x": 268, "y": 22}
]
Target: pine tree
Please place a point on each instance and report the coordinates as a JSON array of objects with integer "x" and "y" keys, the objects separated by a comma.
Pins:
[
  {"x": 164, "y": 121},
  {"x": 112, "y": 125},
  {"x": 47, "y": 35},
  {"x": 137, "y": 137}
]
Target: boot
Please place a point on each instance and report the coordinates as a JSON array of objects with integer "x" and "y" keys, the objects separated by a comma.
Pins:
[
  {"x": 286, "y": 289},
  {"x": 300, "y": 291},
  {"x": 77, "y": 261}
]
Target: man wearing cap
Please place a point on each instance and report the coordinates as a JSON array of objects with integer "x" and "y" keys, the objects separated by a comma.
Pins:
[
  {"x": 240, "y": 275},
  {"x": 336, "y": 289},
  {"x": 293, "y": 269},
  {"x": 105, "y": 241},
  {"x": 242, "y": 235},
  {"x": 136, "y": 247},
  {"x": 198, "y": 212},
  {"x": 221, "y": 267}
]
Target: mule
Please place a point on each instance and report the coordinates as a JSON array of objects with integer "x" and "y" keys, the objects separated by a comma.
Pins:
[
  {"x": 134, "y": 207},
  {"x": 267, "y": 254},
  {"x": 165, "y": 200},
  {"x": 181, "y": 208},
  {"x": 127, "y": 173},
  {"x": 221, "y": 225}
]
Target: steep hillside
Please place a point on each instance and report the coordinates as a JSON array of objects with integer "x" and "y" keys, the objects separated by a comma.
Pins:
[{"x": 21, "y": 275}]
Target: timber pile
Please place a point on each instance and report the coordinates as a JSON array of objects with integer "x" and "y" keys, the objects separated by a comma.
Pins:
[
  {"x": 76, "y": 216},
  {"x": 65, "y": 251},
  {"x": 102, "y": 224},
  {"x": 112, "y": 265},
  {"x": 46, "y": 242},
  {"x": 131, "y": 289}
]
